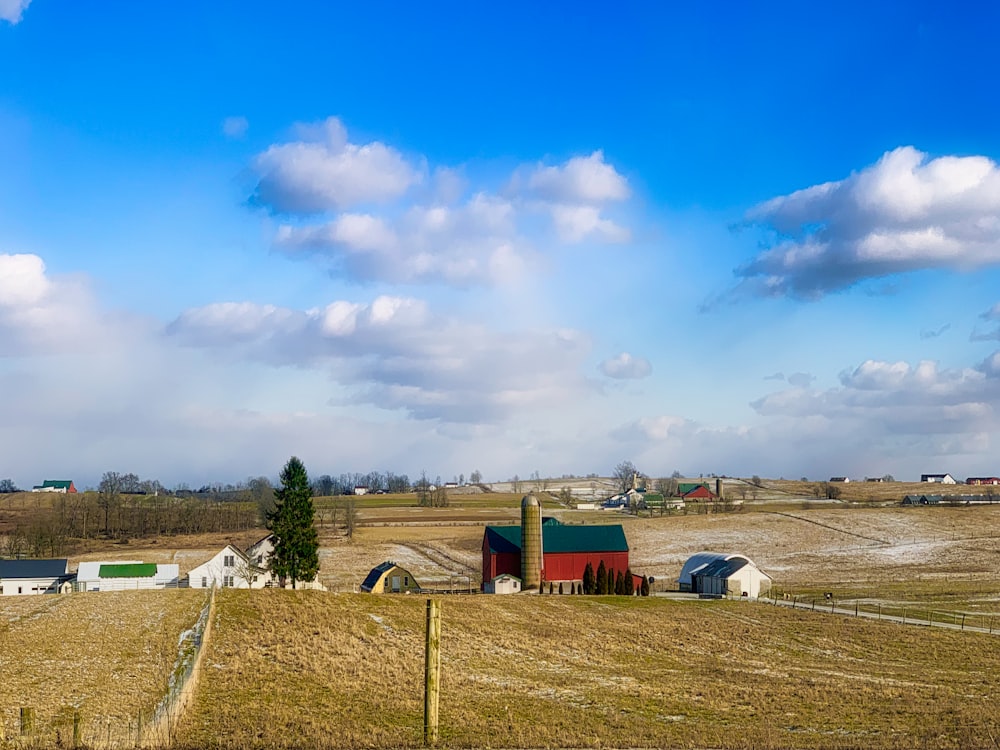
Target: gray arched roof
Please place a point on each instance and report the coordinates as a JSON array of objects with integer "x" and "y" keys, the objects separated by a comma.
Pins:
[{"x": 701, "y": 560}]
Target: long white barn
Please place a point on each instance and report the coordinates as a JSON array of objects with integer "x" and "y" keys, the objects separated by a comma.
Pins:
[{"x": 720, "y": 574}]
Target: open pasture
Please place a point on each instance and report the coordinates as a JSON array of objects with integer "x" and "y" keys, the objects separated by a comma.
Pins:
[
  {"x": 108, "y": 656},
  {"x": 293, "y": 669}
]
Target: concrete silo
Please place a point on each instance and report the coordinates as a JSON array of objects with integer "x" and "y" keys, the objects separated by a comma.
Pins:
[{"x": 531, "y": 543}]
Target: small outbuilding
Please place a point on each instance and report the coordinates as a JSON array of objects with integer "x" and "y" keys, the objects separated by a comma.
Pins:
[
  {"x": 505, "y": 583},
  {"x": 718, "y": 574},
  {"x": 63, "y": 486},
  {"x": 389, "y": 578},
  {"x": 126, "y": 576},
  {"x": 25, "y": 577},
  {"x": 938, "y": 478}
]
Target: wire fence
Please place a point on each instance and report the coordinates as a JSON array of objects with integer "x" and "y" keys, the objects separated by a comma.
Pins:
[{"x": 73, "y": 727}]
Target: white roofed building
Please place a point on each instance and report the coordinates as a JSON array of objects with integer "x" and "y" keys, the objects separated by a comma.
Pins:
[{"x": 720, "y": 574}]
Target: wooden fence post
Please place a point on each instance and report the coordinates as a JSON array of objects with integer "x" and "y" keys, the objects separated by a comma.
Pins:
[
  {"x": 432, "y": 672},
  {"x": 77, "y": 729},
  {"x": 27, "y": 720}
]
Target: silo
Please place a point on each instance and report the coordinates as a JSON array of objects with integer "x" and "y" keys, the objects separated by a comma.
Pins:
[
  {"x": 718, "y": 488},
  {"x": 531, "y": 543}
]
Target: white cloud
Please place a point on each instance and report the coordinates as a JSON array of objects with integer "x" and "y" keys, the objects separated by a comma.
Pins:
[
  {"x": 44, "y": 315},
  {"x": 625, "y": 366},
  {"x": 235, "y": 127},
  {"x": 473, "y": 243},
  {"x": 11, "y": 10},
  {"x": 326, "y": 172},
  {"x": 395, "y": 354},
  {"x": 905, "y": 213},
  {"x": 450, "y": 231},
  {"x": 582, "y": 179}
]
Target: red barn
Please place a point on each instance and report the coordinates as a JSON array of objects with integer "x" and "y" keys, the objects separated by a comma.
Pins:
[
  {"x": 699, "y": 492},
  {"x": 566, "y": 550}
]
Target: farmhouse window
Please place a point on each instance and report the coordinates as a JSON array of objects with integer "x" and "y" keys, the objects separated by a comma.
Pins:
[
  {"x": 227, "y": 582},
  {"x": 229, "y": 561},
  {"x": 204, "y": 582}
]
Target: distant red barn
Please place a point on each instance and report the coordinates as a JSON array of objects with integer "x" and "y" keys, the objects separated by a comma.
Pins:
[
  {"x": 699, "y": 492},
  {"x": 566, "y": 550}
]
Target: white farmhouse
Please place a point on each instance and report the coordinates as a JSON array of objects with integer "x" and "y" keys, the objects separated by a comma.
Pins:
[
  {"x": 230, "y": 568},
  {"x": 24, "y": 577},
  {"x": 259, "y": 554},
  {"x": 127, "y": 575},
  {"x": 720, "y": 574},
  {"x": 938, "y": 478}
]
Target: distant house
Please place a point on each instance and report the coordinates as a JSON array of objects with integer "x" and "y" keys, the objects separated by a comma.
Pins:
[
  {"x": 360, "y": 490},
  {"x": 983, "y": 480},
  {"x": 938, "y": 478},
  {"x": 877, "y": 480},
  {"x": 229, "y": 568},
  {"x": 389, "y": 578},
  {"x": 25, "y": 577},
  {"x": 259, "y": 554},
  {"x": 504, "y": 583},
  {"x": 126, "y": 575},
  {"x": 718, "y": 574},
  {"x": 840, "y": 479},
  {"x": 63, "y": 486}
]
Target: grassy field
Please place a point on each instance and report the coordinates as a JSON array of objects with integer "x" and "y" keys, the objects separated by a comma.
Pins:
[
  {"x": 292, "y": 669},
  {"x": 108, "y": 656}
]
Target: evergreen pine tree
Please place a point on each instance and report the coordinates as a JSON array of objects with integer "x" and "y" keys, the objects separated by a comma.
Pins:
[
  {"x": 644, "y": 589},
  {"x": 629, "y": 582},
  {"x": 551, "y": 587},
  {"x": 589, "y": 583},
  {"x": 602, "y": 579},
  {"x": 560, "y": 587},
  {"x": 620, "y": 584},
  {"x": 296, "y": 546}
]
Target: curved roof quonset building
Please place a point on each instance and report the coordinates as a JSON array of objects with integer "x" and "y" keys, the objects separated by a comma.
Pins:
[{"x": 720, "y": 573}]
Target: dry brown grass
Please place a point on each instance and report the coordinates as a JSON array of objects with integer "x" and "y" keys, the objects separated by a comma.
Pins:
[
  {"x": 107, "y": 655},
  {"x": 294, "y": 669}
]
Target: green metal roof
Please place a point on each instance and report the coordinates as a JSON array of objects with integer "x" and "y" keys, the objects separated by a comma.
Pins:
[
  {"x": 561, "y": 538},
  {"x": 128, "y": 570},
  {"x": 58, "y": 484}
]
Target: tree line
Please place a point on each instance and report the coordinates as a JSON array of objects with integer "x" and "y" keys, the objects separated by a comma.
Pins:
[{"x": 605, "y": 581}]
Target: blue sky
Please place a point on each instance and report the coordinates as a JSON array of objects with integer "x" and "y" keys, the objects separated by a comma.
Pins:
[{"x": 444, "y": 238}]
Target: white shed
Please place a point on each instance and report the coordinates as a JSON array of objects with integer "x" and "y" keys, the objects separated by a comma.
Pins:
[
  {"x": 126, "y": 576},
  {"x": 229, "y": 568},
  {"x": 505, "y": 583}
]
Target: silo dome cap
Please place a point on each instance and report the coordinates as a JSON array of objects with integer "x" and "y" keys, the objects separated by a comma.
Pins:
[{"x": 529, "y": 500}]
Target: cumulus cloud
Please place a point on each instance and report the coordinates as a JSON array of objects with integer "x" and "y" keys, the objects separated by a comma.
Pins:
[
  {"x": 324, "y": 171},
  {"x": 905, "y": 213},
  {"x": 626, "y": 367},
  {"x": 235, "y": 127},
  {"x": 897, "y": 398},
  {"x": 11, "y": 10},
  {"x": 44, "y": 315},
  {"x": 582, "y": 179},
  {"x": 387, "y": 223},
  {"x": 396, "y": 354},
  {"x": 475, "y": 242}
]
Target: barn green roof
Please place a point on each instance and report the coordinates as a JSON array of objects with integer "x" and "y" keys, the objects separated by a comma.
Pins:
[
  {"x": 557, "y": 537},
  {"x": 685, "y": 487},
  {"x": 128, "y": 570}
]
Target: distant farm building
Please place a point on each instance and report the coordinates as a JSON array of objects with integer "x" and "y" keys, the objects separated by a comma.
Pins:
[
  {"x": 63, "y": 486},
  {"x": 126, "y": 576},
  {"x": 503, "y": 584},
  {"x": 695, "y": 491},
  {"x": 230, "y": 568},
  {"x": 983, "y": 480},
  {"x": 840, "y": 479},
  {"x": 360, "y": 490},
  {"x": 717, "y": 574},
  {"x": 938, "y": 478},
  {"x": 922, "y": 500},
  {"x": 560, "y": 552},
  {"x": 25, "y": 577},
  {"x": 260, "y": 553},
  {"x": 389, "y": 578}
]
